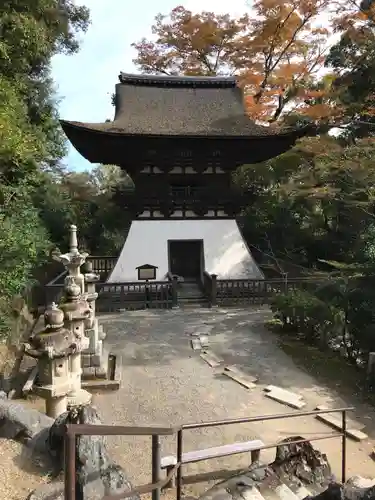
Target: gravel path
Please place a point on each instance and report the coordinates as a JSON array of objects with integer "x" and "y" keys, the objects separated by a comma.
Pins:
[{"x": 164, "y": 382}]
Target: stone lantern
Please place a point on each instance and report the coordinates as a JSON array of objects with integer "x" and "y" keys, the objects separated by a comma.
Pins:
[
  {"x": 94, "y": 361},
  {"x": 76, "y": 311},
  {"x": 53, "y": 348},
  {"x": 74, "y": 259}
]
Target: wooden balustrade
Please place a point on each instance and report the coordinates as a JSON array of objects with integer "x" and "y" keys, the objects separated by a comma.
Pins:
[
  {"x": 134, "y": 295},
  {"x": 244, "y": 291},
  {"x": 164, "y": 294}
]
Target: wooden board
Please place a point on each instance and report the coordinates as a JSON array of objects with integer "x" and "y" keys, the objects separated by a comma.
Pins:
[
  {"x": 286, "y": 397},
  {"x": 335, "y": 422},
  {"x": 239, "y": 378},
  {"x": 280, "y": 390},
  {"x": 204, "y": 340},
  {"x": 214, "y": 452},
  {"x": 196, "y": 344},
  {"x": 235, "y": 369},
  {"x": 211, "y": 358}
]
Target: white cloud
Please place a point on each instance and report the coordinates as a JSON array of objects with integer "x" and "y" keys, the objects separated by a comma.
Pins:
[{"x": 86, "y": 80}]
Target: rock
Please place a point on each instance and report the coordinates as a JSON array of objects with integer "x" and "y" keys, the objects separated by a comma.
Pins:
[
  {"x": 18, "y": 422},
  {"x": 361, "y": 482},
  {"x": 303, "y": 462},
  {"x": 97, "y": 475}
]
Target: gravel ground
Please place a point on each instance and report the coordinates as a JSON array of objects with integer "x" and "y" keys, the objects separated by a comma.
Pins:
[{"x": 164, "y": 382}]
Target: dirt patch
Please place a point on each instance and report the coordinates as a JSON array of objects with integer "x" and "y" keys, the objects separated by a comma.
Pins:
[{"x": 18, "y": 475}]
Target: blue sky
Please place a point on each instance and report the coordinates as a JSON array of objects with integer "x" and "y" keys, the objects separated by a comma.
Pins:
[{"x": 86, "y": 80}]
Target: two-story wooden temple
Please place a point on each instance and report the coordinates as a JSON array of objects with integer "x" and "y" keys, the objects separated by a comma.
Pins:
[{"x": 180, "y": 139}]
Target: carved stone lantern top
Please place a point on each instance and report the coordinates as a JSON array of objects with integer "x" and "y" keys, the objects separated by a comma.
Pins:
[
  {"x": 54, "y": 341},
  {"x": 90, "y": 276},
  {"x": 75, "y": 307},
  {"x": 74, "y": 258}
]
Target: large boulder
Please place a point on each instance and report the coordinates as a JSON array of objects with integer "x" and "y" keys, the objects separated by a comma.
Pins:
[{"x": 97, "y": 475}]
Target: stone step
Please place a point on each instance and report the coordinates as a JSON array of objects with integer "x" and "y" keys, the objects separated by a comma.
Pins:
[
  {"x": 272, "y": 488},
  {"x": 285, "y": 397},
  {"x": 296, "y": 486}
]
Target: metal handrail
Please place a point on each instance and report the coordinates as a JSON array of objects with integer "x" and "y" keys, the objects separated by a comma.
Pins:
[{"x": 75, "y": 430}]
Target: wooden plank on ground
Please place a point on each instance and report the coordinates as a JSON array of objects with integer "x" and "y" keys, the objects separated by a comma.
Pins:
[
  {"x": 334, "y": 421},
  {"x": 196, "y": 344},
  {"x": 235, "y": 369},
  {"x": 204, "y": 340},
  {"x": 240, "y": 378},
  {"x": 271, "y": 388},
  {"x": 286, "y": 397},
  {"x": 211, "y": 358}
]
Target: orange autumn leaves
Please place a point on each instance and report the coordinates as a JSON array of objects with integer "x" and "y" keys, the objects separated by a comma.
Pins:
[{"x": 277, "y": 51}]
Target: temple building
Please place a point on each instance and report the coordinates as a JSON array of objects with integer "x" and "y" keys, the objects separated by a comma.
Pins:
[{"x": 180, "y": 139}]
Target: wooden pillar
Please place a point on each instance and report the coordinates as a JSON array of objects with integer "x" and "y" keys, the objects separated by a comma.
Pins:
[
  {"x": 174, "y": 292},
  {"x": 213, "y": 290}
]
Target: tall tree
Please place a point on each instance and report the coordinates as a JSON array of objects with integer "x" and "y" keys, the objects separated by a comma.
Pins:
[{"x": 276, "y": 51}]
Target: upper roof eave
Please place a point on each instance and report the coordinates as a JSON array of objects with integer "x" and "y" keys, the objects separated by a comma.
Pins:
[{"x": 89, "y": 128}]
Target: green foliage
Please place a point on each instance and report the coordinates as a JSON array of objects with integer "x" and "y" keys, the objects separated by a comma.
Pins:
[{"x": 31, "y": 140}]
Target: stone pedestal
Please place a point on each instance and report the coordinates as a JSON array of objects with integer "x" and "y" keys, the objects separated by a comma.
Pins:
[
  {"x": 53, "y": 347},
  {"x": 95, "y": 358},
  {"x": 76, "y": 312}
]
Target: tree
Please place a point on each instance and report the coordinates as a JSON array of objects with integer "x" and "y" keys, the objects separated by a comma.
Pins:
[
  {"x": 276, "y": 52},
  {"x": 353, "y": 59},
  {"x": 31, "y": 140}
]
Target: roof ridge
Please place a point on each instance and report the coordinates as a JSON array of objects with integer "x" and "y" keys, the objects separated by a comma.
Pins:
[{"x": 178, "y": 80}]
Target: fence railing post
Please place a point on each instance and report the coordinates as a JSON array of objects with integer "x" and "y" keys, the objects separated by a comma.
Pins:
[
  {"x": 343, "y": 448},
  {"x": 213, "y": 290},
  {"x": 179, "y": 461},
  {"x": 174, "y": 292},
  {"x": 70, "y": 466},
  {"x": 156, "y": 465}
]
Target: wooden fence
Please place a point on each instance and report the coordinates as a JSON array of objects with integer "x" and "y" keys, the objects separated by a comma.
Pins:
[{"x": 164, "y": 294}]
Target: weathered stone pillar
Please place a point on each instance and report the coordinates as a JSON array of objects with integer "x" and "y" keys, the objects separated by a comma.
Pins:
[
  {"x": 76, "y": 312},
  {"x": 53, "y": 347},
  {"x": 73, "y": 260},
  {"x": 94, "y": 359}
]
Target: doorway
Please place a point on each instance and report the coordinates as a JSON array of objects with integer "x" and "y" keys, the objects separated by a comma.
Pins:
[{"x": 186, "y": 258}]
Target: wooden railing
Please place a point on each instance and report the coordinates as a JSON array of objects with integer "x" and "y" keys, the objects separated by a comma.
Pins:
[
  {"x": 245, "y": 291},
  {"x": 134, "y": 295},
  {"x": 102, "y": 265}
]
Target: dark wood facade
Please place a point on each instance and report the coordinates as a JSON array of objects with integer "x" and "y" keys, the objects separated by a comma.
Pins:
[{"x": 180, "y": 139}]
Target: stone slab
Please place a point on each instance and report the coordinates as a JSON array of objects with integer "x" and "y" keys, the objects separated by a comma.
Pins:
[
  {"x": 196, "y": 344},
  {"x": 235, "y": 369},
  {"x": 211, "y": 358},
  {"x": 334, "y": 421},
  {"x": 286, "y": 397},
  {"x": 204, "y": 340},
  {"x": 271, "y": 388},
  {"x": 239, "y": 378}
]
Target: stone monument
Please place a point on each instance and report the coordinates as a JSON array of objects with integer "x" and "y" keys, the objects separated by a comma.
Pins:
[
  {"x": 94, "y": 359},
  {"x": 53, "y": 347},
  {"x": 76, "y": 311},
  {"x": 73, "y": 260}
]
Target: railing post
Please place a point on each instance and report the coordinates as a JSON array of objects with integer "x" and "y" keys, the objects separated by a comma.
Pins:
[
  {"x": 156, "y": 460},
  {"x": 343, "y": 448},
  {"x": 213, "y": 290},
  {"x": 179, "y": 461},
  {"x": 70, "y": 466},
  {"x": 174, "y": 292}
]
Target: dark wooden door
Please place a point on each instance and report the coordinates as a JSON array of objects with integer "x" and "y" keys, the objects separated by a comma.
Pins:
[{"x": 185, "y": 258}]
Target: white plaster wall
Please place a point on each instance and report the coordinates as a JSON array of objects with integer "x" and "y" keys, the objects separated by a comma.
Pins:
[{"x": 225, "y": 251}]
